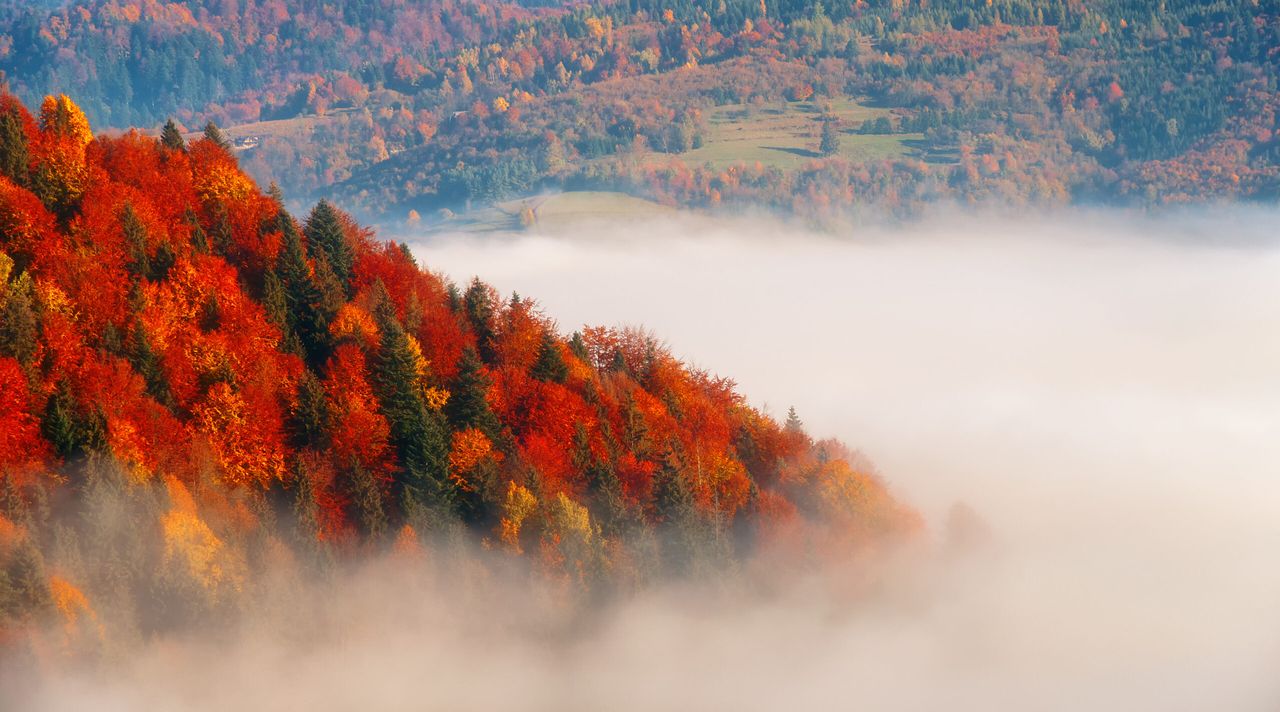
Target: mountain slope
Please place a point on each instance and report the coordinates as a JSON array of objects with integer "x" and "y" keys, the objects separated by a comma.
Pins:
[{"x": 179, "y": 355}]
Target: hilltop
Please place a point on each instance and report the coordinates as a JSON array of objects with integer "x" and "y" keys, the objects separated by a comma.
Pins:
[{"x": 198, "y": 388}]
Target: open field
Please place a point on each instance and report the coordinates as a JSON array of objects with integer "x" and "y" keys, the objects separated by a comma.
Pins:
[
  {"x": 277, "y": 128},
  {"x": 552, "y": 211},
  {"x": 785, "y": 135}
]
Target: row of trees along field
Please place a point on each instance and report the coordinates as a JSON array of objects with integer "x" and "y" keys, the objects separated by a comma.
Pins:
[{"x": 196, "y": 384}]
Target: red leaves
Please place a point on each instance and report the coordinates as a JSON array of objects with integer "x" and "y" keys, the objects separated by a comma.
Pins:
[
  {"x": 21, "y": 445},
  {"x": 359, "y": 431},
  {"x": 182, "y": 368}
]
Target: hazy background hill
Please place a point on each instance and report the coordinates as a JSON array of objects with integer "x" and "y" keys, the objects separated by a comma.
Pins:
[{"x": 822, "y": 111}]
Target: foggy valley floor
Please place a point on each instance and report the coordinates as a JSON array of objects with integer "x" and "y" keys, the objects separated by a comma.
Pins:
[{"x": 1101, "y": 389}]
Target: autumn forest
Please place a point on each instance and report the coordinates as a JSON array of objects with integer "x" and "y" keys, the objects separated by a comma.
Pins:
[
  {"x": 259, "y": 419},
  {"x": 250, "y": 385}
]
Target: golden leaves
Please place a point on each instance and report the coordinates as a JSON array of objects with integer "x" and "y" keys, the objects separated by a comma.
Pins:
[
  {"x": 224, "y": 182},
  {"x": 518, "y": 504},
  {"x": 59, "y": 115},
  {"x": 191, "y": 544},
  {"x": 469, "y": 447},
  {"x": 245, "y": 456},
  {"x": 78, "y": 618},
  {"x": 354, "y": 323}
]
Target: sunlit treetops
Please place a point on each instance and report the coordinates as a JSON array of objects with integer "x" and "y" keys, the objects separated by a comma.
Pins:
[{"x": 161, "y": 313}]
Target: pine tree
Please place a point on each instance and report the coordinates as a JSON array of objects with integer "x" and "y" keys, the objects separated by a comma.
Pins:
[
  {"x": 603, "y": 485},
  {"x": 635, "y": 433},
  {"x": 468, "y": 405},
  {"x": 71, "y": 433},
  {"x": 135, "y": 240},
  {"x": 311, "y": 413},
  {"x": 829, "y": 145},
  {"x": 325, "y": 237},
  {"x": 793, "y": 424},
  {"x": 550, "y": 365},
  {"x": 214, "y": 134},
  {"x": 479, "y": 305},
  {"x": 148, "y": 365},
  {"x": 199, "y": 241},
  {"x": 171, "y": 138},
  {"x": 15, "y": 158},
  {"x": 680, "y": 529},
  {"x": 18, "y": 328},
  {"x": 366, "y": 501},
  {"x": 310, "y": 303},
  {"x": 417, "y": 433}
]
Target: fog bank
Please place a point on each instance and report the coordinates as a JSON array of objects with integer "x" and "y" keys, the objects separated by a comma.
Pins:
[{"x": 1102, "y": 389}]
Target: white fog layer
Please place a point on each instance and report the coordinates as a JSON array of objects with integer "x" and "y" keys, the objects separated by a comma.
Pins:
[{"x": 1103, "y": 390}]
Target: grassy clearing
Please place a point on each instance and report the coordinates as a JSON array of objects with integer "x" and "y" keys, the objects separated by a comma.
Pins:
[
  {"x": 553, "y": 212},
  {"x": 278, "y": 128},
  {"x": 785, "y": 135}
]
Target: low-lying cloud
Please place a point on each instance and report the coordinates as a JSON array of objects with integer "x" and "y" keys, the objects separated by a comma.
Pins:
[{"x": 1102, "y": 389}]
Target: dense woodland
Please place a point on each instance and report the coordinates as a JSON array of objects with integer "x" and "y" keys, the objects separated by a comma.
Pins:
[
  {"x": 197, "y": 386},
  {"x": 392, "y": 106}
]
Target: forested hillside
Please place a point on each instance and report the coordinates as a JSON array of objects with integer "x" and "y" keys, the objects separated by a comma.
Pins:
[
  {"x": 197, "y": 387},
  {"x": 884, "y": 104}
]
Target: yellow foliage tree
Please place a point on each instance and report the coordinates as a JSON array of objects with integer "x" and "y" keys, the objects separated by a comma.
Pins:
[
  {"x": 516, "y": 508},
  {"x": 468, "y": 448},
  {"x": 244, "y": 456},
  {"x": 190, "y": 544},
  {"x": 352, "y": 322},
  {"x": 60, "y": 116},
  {"x": 80, "y": 625}
]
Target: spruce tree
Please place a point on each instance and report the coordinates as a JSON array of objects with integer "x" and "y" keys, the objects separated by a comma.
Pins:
[
  {"x": 793, "y": 424},
  {"x": 480, "y": 309},
  {"x": 829, "y": 145},
  {"x": 171, "y": 138},
  {"x": 148, "y": 365},
  {"x": 468, "y": 406},
  {"x": 214, "y": 134},
  {"x": 325, "y": 237},
  {"x": 135, "y": 241},
  {"x": 18, "y": 327},
  {"x": 417, "y": 433},
  {"x": 310, "y": 419},
  {"x": 15, "y": 158},
  {"x": 309, "y": 306},
  {"x": 550, "y": 365},
  {"x": 366, "y": 502}
]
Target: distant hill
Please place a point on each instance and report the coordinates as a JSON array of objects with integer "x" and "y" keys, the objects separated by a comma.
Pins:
[{"x": 395, "y": 106}]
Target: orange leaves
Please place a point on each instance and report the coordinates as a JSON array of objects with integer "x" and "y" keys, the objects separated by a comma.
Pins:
[
  {"x": 861, "y": 505},
  {"x": 721, "y": 484},
  {"x": 192, "y": 546},
  {"x": 26, "y": 226},
  {"x": 21, "y": 446},
  {"x": 248, "y": 445},
  {"x": 61, "y": 117},
  {"x": 358, "y": 430},
  {"x": 469, "y": 448},
  {"x": 80, "y": 624},
  {"x": 217, "y": 177},
  {"x": 60, "y": 152},
  {"x": 520, "y": 335},
  {"x": 355, "y": 324}
]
